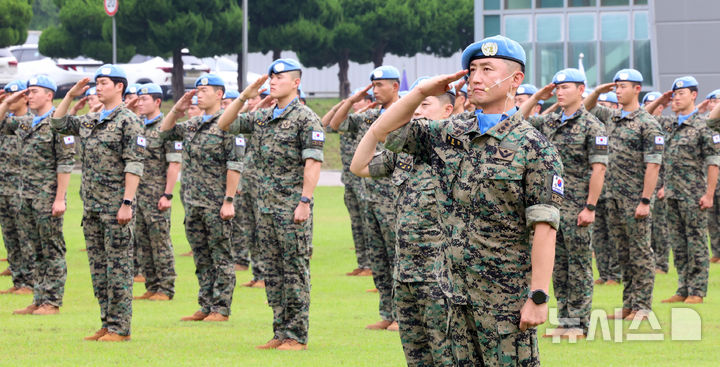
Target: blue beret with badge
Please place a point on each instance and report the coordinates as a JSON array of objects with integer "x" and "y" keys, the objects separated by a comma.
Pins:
[
  {"x": 231, "y": 94},
  {"x": 714, "y": 94},
  {"x": 266, "y": 87},
  {"x": 283, "y": 65},
  {"x": 494, "y": 47},
  {"x": 42, "y": 81},
  {"x": 684, "y": 82},
  {"x": 569, "y": 75},
  {"x": 194, "y": 101},
  {"x": 385, "y": 72},
  {"x": 628, "y": 75},
  {"x": 209, "y": 79},
  {"x": 651, "y": 96},
  {"x": 15, "y": 86},
  {"x": 110, "y": 71},
  {"x": 608, "y": 97},
  {"x": 528, "y": 90},
  {"x": 91, "y": 92},
  {"x": 149, "y": 88},
  {"x": 132, "y": 89}
]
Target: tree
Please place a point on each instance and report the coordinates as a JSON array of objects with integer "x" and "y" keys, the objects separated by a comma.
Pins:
[
  {"x": 226, "y": 37},
  {"x": 448, "y": 25},
  {"x": 45, "y": 14},
  {"x": 15, "y": 15}
]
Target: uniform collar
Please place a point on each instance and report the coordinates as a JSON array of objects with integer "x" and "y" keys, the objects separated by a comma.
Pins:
[
  {"x": 153, "y": 120},
  {"x": 38, "y": 119},
  {"x": 280, "y": 112},
  {"x": 486, "y": 122}
]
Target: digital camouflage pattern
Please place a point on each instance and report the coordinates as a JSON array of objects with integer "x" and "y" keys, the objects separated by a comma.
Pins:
[
  {"x": 208, "y": 153},
  {"x": 354, "y": 197},
  {"x": 581, "y": 141},
  {"x": 714, "y": 212},
  {"x": 659, "y": 237},
  {"x": 493, "y": 188},
  {"x": 152, "y": 226},
  {"x": 635, "y": 140},
  {"x": 109, "y": 148},
  {"x": 246, "y": 213},
  {"x": 281, "y": 147},
  {"x": 605, "y": 251}
]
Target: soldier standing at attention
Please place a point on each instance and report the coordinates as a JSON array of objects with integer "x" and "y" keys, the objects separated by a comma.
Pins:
[
  {"x": 712, "y": 100},
  {"x": 155, "y": 192},
  {"x": 500, "y": 186},
  {"x": 636, "y": 148},
  {"x": 112, "y": 152},
  {"x": 288, "y": 152},
  {"x": 19, "y": 254},
  {"x": 212, "y": 165},
  {"x": 689, "y": 192},
  {"x": 583, "y": 145}
]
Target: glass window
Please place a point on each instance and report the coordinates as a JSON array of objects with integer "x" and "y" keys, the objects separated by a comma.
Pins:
[
  {"x": 589, "y": 61},
  {"x": 642, "y": 60},
  {"x": 575, "y": 3},
  {"x": 615, "y": 56},
  {"x": 529, "y": 64},
  {"x": 549, "y": 28},
  {"x": 641, "y": 2},
  {"x": 491, "y": 4},
  {"x": 641, "y": 26},
  {"x": 517, "y": 27},
  {"x": 491, "y": 25},
  {"x": 581, "y": 27},
  {"x": 517, "y": 4},
  {"x": 549, "y": 3},
  {"x": 550, "y": 59},
  {"x": 614, "y": 27},
  {"x": 614, "y": 2}
]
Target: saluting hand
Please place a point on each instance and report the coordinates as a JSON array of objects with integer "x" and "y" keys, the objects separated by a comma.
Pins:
[
  {"x": 438, "y": 85},
  {"x": 253, "y": 90},
  {"x": 183, "y": 103},
  {"x": 11, "y": 98},
  {"x": 96, "y": 108},
  {"x": 546, "y": 92},
  {"x": 368, "y": 107},
  {"x": 79, "y": 88},
  {"x": 132, "y": 105},
  {"x": 357, "y": 97},
  {"x": 79, "y": 105},
  {"x": 604, "y": 88}
]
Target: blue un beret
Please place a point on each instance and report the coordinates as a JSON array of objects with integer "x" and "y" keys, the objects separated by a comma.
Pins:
[
  {"x": 651, "y": 96},
  {"x": 569, "y": 75},
  {"x": 495, "y": 47},
  {"x": 528, "y": 90},
  {"x": 684, "y": 82},
  {"x": 714, "y": 94},
  {"x": 628, "y": 75},
  {"x": 209, "y": 79},
  {"x": 265, "y": 86},
  {"x": 149, "y": 88},
  {"x": 231, "y": 93},
  {"x": 608, "y": 97},
  {"x": 132, "y": 89},
  {"x": 15, "y": 86},
  {"x": 91, "y": 92},
  {"x": 110, "y": 71},
  {"x": 42, "y": 81},
  {"x": 385, "y": 72},
  {"x": 283, "y": 65}
]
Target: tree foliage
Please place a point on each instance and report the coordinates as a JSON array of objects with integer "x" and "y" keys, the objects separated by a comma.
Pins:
[{"x": 15, "y": 16}]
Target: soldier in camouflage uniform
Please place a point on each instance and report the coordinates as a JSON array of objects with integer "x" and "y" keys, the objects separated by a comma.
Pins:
[
  {"x": 714, "y": 213},
  {"x": 112, "y": 149},
  {"x": 19, "y": 254},
  {"x": 499, "y": 184},
  {"x": 379, "y": 193},
  {"x": 636, "y": 147},
  {"x": 582, "y": 142},
  {"x": 421, "y": 307},
  {"x": 288, "y": 155},
  {"x": 152, "y": 223},
  {"x": 691, "y": 146},
  {"x": 212, "y": 165},
  {"x": 247, "y": 225},
  {"x": 46, "y": 160}
]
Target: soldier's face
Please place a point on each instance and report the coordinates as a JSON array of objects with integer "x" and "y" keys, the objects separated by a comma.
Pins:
[
  {"x": 146, "y": 105},
  {"x": 520, "y": 99},
  {"x": 225, "y": 103},
  {"x": 608, "y": 104},
  {"x": 194, "y": 110},
  {"x": 39, "y": 97},
  {"x": 252, "y": 102},
  {"x": 491, "y": 80},
  {"x": 107, "y": 90},
  {"x": 683, "y": 99},
  {"x": 23, "y": 101},
  {"x": 357, "y": 106},
  {"x": 283, "y": 84},
  {"x": 208, "y": 96},
  {"x": 627, "y": 92},
  {"x": 385, "y": 90},
  {"x": 658, "y": 110},
  {"x": 712, "y": 103},
  {"x": 93, "y": 100},
  {"x": 432, "y": 108},
  {"x": 568, "y": 94}
]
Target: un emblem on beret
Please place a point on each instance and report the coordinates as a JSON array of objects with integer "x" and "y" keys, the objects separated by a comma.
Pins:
[
  {"x": 489, "y": 49},
  {"x": 144, "y": 90},
  {"x": 105, "y": 71},
  {"x": 32, "y": 81},
  {"x": 651, "y": 98},
  {"x": 623, "y": 76},
  {"x": 204, "y": 81},
  {"x": 603, "y": 97},
  {"x": 561, "y": 77},
  {"x": 679, "y": 84},
  {"x": 279, "y": 67},
  {"x": 133, "y": 90},
  {"x": 520, "y": 90},
  {"x": 378, "y": 74},
  {"x": 14, "y": 88}
]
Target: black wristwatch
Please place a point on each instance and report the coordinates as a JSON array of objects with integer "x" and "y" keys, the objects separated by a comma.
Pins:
[
  {"x": 645, "y": 201},
  {"x": 127, "y": 202},
  {"x": 539, "y": 296},
  {"x": 229, "y": 199},
  {"x": 590, "y": 207},
  {"x": 305, "y": 200},
  {"x": 168, "y": 196}
]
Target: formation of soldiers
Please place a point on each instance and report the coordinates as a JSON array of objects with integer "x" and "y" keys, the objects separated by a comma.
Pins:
[{"x": 465, "y": 200}]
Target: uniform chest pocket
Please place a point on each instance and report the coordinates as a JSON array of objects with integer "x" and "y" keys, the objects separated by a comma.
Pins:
[
  {"x": 497, "y": 184},
  {"x": 110, "y": 139}
]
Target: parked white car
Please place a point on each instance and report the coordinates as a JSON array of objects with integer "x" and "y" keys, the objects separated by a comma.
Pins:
[
  {"x": 147, "y": 69},
  {"x": 226, "y": 68},
  {"x": 8, "y": 67}
]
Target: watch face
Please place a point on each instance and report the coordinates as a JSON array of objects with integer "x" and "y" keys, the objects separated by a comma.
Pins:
[{"x": 539, "y": 297}]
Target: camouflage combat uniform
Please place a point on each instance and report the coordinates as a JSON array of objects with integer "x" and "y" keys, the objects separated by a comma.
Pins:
[
  {"x": 152, "y": 226},
  {"x": 110, "y": 148},
  {"x": 691, "y": 147},
  {"x": 492, "y": 189},
  {"x": 659, "y": 237},
  {"x": 208, "y": 153},
  {"x": 635, "y": 140},
  {"x": 714, "y": 212},
  {"x": 245, "y": 239},
  {"x": 19, "y": 254},
  {"x": 421, "y": 308},
  {"x": 282, "y": 145},
  {"x": 581, "y": 141},
  {"x": 379, "y": 219},
  {"x": 354, "y": 198}
]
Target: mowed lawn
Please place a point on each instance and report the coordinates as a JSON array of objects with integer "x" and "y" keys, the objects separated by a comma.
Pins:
[{"x": 339, "y": 311}]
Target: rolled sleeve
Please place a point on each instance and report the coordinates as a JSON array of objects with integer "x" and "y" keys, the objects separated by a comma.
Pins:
[
  {"x": 67, "y": 124},
  {"x": 63, "y": 168},
  {"x": 543, "y": 213},
  {"x": 136, "y": 168},
  {"x": 65, "y": 153},
  {"x": 653, "y": 158},
  {"x": 312, "y": 153},
  {"x": 235, "y": 166},
  {"x": 173, "y": 157},
  {"x": 596, "y": 158},
  {"x": 135, "y": 145},
  {"x": 382, "y": 164},
  {"x": 713, "y": 160}
]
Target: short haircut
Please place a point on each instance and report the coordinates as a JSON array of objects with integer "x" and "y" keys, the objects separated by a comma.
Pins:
[
  {"x": 117, "y": 80},
  {"x": 156, "y": 96},
  {"x": 296, "y": 73},
  {"x": 447, "y": 98},
  {"x": 218, "y": 87},
  {"x": 514, "y": 65}
]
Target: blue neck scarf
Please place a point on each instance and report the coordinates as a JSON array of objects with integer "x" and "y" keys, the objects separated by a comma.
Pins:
[
  {"x": 279, "y": 111},
  {"x": 683, "y": 118},
  {"x": 10, "y": 114},
  {"x": 105, "y": 113},
  {"x": 487, "y": 121},
  {"x": 148, "y": 122},
  {"x": 205, "y": 118},
  {"x": 624, "y": 113},
  {"x": 37, "y": 119}
]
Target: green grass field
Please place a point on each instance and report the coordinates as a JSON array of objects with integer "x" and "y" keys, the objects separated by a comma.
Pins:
[{"x": 339, "y": 311}]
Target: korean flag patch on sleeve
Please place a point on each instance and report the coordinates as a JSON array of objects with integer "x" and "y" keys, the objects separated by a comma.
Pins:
[
  {"x": 69, "y": 140},
  {"x": 558, "y": 185},
  {"x": 141, "y": 141},
  {"x": 240, "y": 141},
  {"x": 317, "y": 137},
  {"x": 659, "y": 143},
  {"x": 716, "y": 139},
  {"x": 178, "y": 145},
  {"x": 601, "y": 142}
]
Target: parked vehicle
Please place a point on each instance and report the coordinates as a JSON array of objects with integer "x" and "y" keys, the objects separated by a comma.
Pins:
[{"x": 8, "y": 66}]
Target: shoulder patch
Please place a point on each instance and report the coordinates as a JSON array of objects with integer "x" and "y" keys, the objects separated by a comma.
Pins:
[
  {"x": 504, "y": 154},
  {"x": 141, "y": 141},
  {"x": 69, "y": 140},
  {"x": 558, "y": 185},
  {"x": 178, "y": 145},
  {"x": 240, "y": 141}
]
